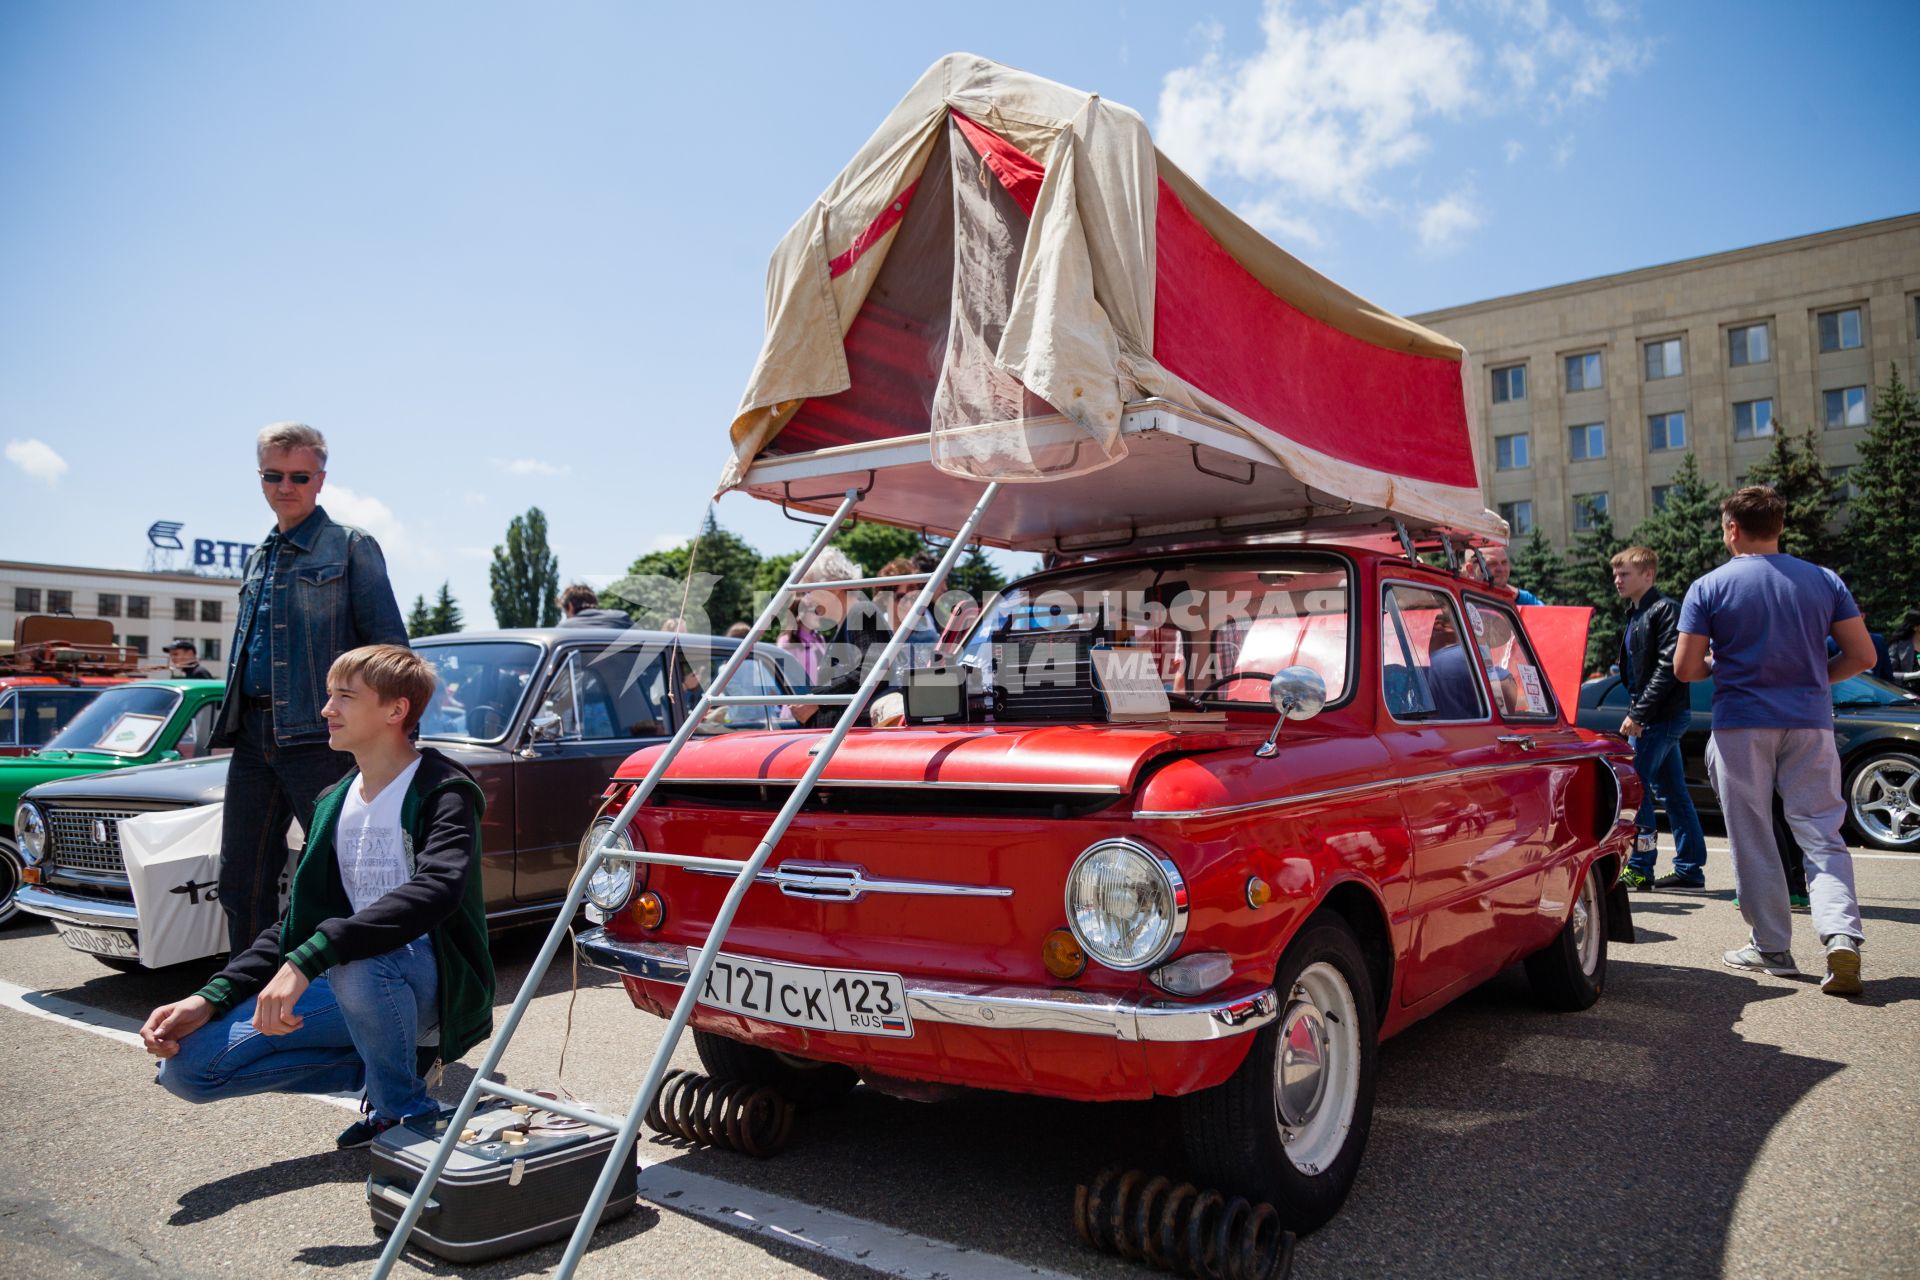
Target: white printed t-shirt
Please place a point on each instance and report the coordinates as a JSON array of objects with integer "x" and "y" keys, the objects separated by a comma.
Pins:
[{"x": 371, "y": 849}]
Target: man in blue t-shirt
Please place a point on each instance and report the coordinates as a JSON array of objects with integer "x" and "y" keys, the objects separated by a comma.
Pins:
[{"x": 1766, "y": 617}]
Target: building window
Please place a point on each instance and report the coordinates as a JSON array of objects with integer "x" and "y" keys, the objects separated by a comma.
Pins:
[
  {"x": 1583, "y": 372},
  {"x": 1752, "y": 419},
  {"x": 1747, "y": 344},
  {"x": 1586, "y": 506},
  {"x": 1667, "y": 431},
  {"x": 1845, "y": 407},
  {"x": 1843, "y": 489},
  {"x": 137, "y": 606},
  {"x": 1587, "y": 442},
  {"x": 210, "y": 650},
  {"x": 183, "y": 610},
  {"x": 1511, "y": 453},
  {"x": 1519, "y": 517},
  {"x": 209, "y": 611},
  {"x": 1510, "y": 383},
  {"x": 59, "y": 601},
  {"x": 1664, "y": 359},
  {"x": 26, "y": 599},
  {"x": 109, "y": 606},
  {"x": 138, "y": 644},
  {"x": 1660, "y": 492},
  {"x": 1840, "y": 330}
]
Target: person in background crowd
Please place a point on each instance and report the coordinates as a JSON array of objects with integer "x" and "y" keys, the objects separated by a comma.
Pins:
[
  {"x": 835, "y": 667},
  {"x": 1658, "y": 713},
  {"x": 1758, "y": 626},
  {"x": 580, "y": 607},
  {"x": 919, "y": 649},
  {"x": 312, "y": 590},
  {"x": 1502, "y": 570},
  {"x": 739, "y": 631},
  {"x": 184, "y": 657},
  {"x": 1903, "y": 653}
]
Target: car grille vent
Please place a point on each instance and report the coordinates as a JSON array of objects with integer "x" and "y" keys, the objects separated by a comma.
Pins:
[{"x": 73, "y": 842}]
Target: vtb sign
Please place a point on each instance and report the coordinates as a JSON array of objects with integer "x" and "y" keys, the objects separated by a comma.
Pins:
[{"x": 208, "y": 553}]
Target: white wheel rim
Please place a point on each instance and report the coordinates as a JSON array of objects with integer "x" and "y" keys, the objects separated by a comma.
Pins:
[
  {"x": 1316, "y": 1068},
  {"x": 1885, "y": 801},
  {"x": 1587, "y": 926}
]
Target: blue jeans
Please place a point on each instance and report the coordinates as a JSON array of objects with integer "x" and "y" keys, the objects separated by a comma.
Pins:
[
  {"x": 268, "y": 786},
  {"x": 362, "y": 1023},
  {"x": 1656, "y": 758}
]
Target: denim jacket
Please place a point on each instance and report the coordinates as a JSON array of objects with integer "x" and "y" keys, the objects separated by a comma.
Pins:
[{"x": 329, "y": 594}]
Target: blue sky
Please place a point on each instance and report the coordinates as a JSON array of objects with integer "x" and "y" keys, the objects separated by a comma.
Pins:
[{"x": 508, "y": 255}]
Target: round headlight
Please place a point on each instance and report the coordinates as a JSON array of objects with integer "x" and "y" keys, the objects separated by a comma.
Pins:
[
  {"x": 1126, "y": 904},
  {"x": 612, "y": 883},
  {"x": 30, "y": 830}
]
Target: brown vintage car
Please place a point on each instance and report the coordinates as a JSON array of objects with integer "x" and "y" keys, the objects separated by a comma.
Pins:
[{"x": 541, "y": 716}]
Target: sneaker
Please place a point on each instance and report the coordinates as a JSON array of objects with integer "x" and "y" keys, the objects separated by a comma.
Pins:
[
  {"x": 1674, "y": 880},
  {"x": 1796, "y": 902},
  {"x": 1843, "y": 967},
  {"x": 1636, "y": 880},
  {"x": 362, "y": 1132},
  {"x": 1778, "y": 963}
]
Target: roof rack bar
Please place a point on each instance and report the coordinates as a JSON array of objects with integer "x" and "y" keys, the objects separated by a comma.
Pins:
[{"x": 780, "y": 699}]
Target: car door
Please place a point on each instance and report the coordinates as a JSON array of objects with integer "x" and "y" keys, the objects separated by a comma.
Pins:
[
  {"x": 1478, "y": 830},
  {"x": 600, "y": 704}
]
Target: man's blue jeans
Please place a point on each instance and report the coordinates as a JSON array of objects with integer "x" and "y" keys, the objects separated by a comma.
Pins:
[
  {"x": 362, "y": 1023},
  {"x": 1656, "y": 758}
]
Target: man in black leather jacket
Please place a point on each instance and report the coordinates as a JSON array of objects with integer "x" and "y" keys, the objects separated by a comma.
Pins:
[{"x": 1658, "y": 713}]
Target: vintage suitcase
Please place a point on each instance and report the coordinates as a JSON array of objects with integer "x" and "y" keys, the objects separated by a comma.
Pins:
[{"x": 518, "y": 1181}]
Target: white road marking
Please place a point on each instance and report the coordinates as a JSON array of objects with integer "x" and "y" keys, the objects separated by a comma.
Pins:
[{"x": 876, "y": 1246}]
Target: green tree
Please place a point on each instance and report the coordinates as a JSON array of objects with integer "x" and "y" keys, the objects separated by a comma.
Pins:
[
  {"x": 1685, "y": 532},
  {"x": 1589, "y": 581},
  {"x": 419, "y": 619},
  {"x": 525, "y": 575},
  {"x": 445, "y": 617},
  {"x": 872, "y": 545},
  {"x": 1795, "y": 469},
  {"x": 1884, "y": 534},
  {"x": 725, "y": 571},
  {"x": 1538, "y": 568},
  {"x": 976, "y": 576}
]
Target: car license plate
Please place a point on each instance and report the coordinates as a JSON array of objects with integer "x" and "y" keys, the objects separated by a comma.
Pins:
[
  {"x": 851, "y": 1000},
  {"x": 100, "y": 942}
]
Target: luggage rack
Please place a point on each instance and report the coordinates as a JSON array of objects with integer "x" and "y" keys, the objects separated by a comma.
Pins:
[{"x": 627, "y": 1126}]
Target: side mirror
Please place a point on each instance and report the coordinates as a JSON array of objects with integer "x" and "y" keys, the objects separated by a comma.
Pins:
[
  {"x": 545, "y": 727},
  {"x": 1298, "y": 693}
]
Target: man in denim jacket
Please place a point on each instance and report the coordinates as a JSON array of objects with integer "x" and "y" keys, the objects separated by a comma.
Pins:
[{"x": 314, "y": 589}]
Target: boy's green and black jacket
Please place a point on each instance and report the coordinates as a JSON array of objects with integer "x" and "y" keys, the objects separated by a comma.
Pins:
[{"x": 444, "y": 900}]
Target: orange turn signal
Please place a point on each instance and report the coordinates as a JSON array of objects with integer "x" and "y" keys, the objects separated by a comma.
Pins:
[
  {"x": 1062, "y": 955},
  {"x": 29, "y": 875},
  {"x": 1259, "y": 892},
  {"x": 649, "y": 910}
]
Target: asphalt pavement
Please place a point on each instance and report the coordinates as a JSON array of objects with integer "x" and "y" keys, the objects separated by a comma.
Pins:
[{"x": 1697, "y": 1122}]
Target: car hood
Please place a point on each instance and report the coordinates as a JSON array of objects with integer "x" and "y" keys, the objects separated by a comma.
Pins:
[
  {"x": 1070, "y": 758},
  {"x": 184, "y": 782}
]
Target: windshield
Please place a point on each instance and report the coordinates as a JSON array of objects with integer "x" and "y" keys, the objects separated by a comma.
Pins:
[
  {"x": 1870, "y": 691},
  {"x": 1211, "y": 631},
  {"x": 123, "y": 722},
  {"x": 479, "y": 687}
]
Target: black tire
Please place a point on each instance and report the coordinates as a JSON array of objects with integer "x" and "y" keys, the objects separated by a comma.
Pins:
[
  {"x": 1889, "y": 780},
  {"x": 1570, "y": 972},
  {"x": 10, "y": 864},
  {"x": 806, "y": 1084},
  {"x": 1237, "y": 1136}
]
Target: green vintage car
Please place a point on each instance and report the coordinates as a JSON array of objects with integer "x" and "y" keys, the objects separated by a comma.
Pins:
[{"x": 131, "y": 724}]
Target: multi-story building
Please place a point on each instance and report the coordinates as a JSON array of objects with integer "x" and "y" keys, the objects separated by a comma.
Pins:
[
  {"x": 1593, "y": 392},
  {"x": 148, "y": 610}
]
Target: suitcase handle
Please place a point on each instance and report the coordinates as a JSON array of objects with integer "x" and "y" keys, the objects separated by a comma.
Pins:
[{"x": 397, "y": 1196}]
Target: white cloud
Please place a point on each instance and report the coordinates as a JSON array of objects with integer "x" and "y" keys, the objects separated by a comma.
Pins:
[
  {"x": 669, "y": 541},
  {"x": 1515, "y": 149},
  {"x": 1563, "y": 152},
  {"x": 531, "y": 467},
  {"x": 1445, "y": 222},
  {"x": 38, "y": 459},
  {"x": 1277, "y": 219},
  {"x": 376, "y": 517}
]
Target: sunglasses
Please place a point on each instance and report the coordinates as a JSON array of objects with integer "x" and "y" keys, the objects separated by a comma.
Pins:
[{"x": 298, "y": 477}]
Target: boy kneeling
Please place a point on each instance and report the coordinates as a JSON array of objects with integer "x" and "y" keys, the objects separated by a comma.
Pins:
[{"x": 384, "y": 941}]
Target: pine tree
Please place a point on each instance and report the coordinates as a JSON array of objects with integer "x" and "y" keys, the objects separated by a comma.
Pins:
[
  {"x": 1796, "y": 471},
  {"x": 419, "y": 619},
  {"x": 1538, "y": 568},
  {"x": 1884, "y": 534},
  {"x": 525, "y": 575},
  {"x": 1685, "y": 533},
  {"x": 976, "y": 576},
  {"x": 445, "y": 616},
  {"x": 1589, "y": 581}
]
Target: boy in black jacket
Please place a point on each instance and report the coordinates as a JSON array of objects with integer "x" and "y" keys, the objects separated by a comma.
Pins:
[{"x": 383, "y": 947}]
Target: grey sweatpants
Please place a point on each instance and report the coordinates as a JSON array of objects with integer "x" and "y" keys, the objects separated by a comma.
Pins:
[{"x": 1746, "y": 766}]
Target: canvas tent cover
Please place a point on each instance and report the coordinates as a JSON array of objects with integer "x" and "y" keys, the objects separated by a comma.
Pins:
[{"x": 1009, "y": 282}]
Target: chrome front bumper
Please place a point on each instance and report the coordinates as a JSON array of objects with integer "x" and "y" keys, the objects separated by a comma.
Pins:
[
  {"x": 988, "y": 1007},
  {"x": 71, "y": 908}
]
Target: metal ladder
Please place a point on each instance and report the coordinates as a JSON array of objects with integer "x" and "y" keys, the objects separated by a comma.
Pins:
[{"x": 628, "y": 1126}]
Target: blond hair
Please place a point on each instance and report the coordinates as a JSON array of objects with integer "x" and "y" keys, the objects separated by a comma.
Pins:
[
  {"x": 391, "y": 671},
  {"x": 1637, "y": 558},
  {"x": 290, "y": 435}
]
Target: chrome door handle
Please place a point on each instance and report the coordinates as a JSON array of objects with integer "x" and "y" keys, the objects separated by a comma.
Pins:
[{"x": 1524, "y": 741}]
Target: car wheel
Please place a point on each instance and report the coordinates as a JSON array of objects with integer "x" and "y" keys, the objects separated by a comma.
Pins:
[
  {"x": 10, "y": 865},
  {"x": 1570, "y": 972},
  {"x": 1290, "y": 1125},
  {"x": 1883, "y": 800},
  {"x": 806, "y": 1084}
]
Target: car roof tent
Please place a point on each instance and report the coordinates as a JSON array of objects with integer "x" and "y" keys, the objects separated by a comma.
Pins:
[{"x": 1010, "y": 283}]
